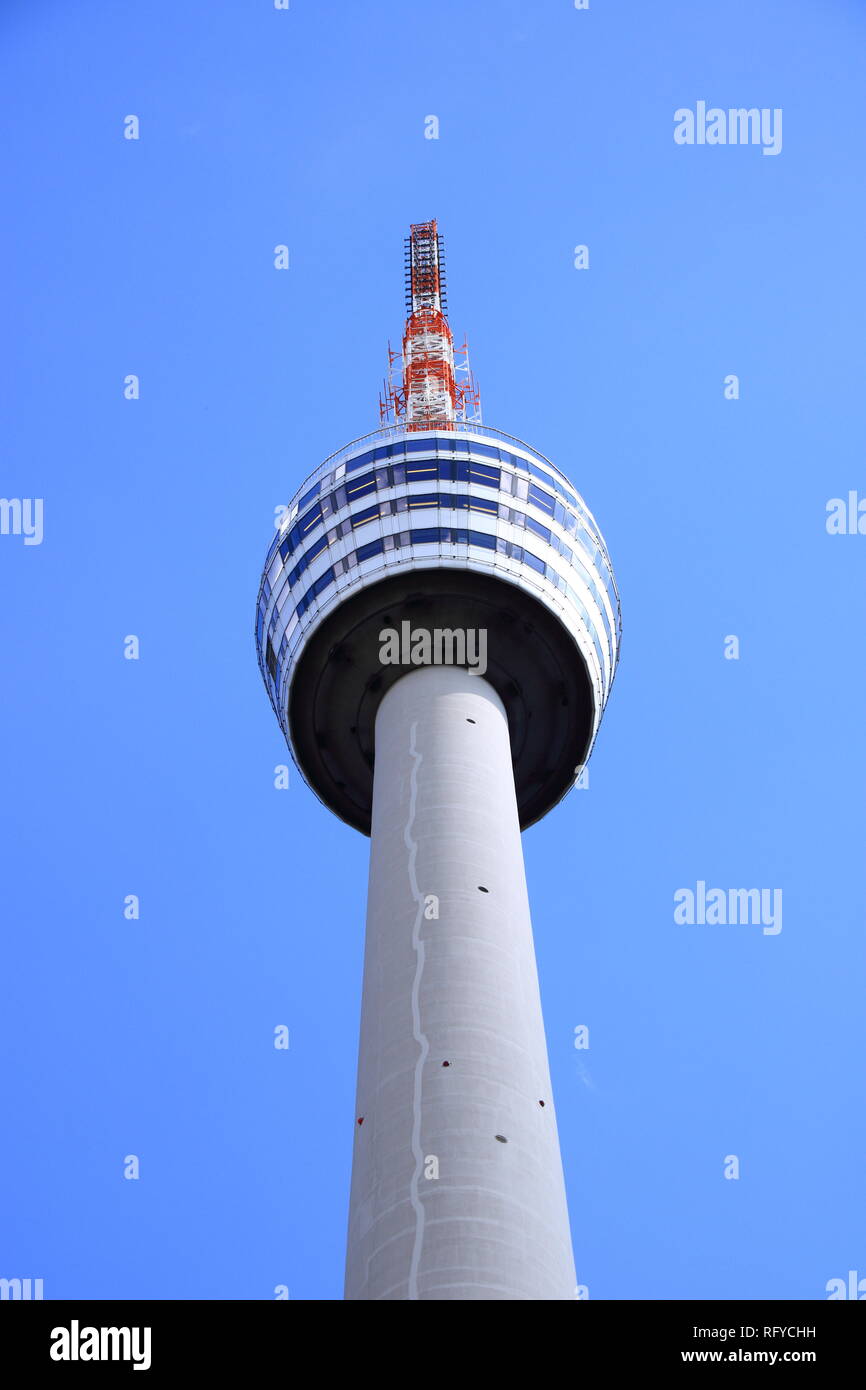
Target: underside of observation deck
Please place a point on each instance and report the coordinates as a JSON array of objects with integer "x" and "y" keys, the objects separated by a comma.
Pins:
[{"x": 532, "y": 663}]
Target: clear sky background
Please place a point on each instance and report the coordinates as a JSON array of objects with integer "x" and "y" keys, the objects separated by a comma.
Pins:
[{"x": 155, "y": 257}]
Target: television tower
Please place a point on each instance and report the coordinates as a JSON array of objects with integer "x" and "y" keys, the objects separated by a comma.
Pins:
[{"x": 438, "y": 629}]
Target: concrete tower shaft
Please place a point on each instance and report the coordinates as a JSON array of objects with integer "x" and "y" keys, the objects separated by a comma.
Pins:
[{"x": 457, "y": 1188}]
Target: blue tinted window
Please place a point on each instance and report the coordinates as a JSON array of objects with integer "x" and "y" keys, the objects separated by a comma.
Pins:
[
  {"x": 589, "y": 623},
  {"x": 371, "y": 548},
  {"x": 482, "y": 538},
  {"x": 316, "y": 549},
  {"x": 484, "y": 504},
  {"x": 361, "y": 487},
  {"x": 485, "y": 451},
  {"x": 541, "y": 499},
  {"x": 586, "y": 541},
  {"x": 285, "y": 551},
  {"x": 308, "y": 496},
  {"x": 533, "y": 561},
  {"x": 418, "y": 446},
  {"x": 354, "y": 464},
  {"x": 314, "y": 590},
  {"x": 368, "y": 514},
  {"x": 536, "y": 526},
  {"x": 564, "y": 492},
  {"x": 312, "y": 518},
  {"x": 425, "y": 499},
  {"x": 307, "y": 559},
  {"x": 421, "y": 472},
  {"x": 483, "y": 473},
  {"x": 425, "y": 533}
]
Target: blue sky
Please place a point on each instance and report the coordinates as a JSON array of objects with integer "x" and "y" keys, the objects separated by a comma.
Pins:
[{"x": 155, "y": 257}]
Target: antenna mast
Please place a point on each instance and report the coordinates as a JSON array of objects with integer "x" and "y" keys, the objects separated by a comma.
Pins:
[{"x": 430, "y": 395}]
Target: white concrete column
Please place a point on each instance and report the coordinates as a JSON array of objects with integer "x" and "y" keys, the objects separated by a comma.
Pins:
[{"x": 457, "y": 1187}]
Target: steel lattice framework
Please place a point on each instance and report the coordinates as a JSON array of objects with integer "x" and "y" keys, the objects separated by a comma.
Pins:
[{"x": 431, "y": 394}]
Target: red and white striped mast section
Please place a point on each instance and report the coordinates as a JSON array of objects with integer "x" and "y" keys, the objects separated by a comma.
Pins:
[{"x": 430, "y": 395}]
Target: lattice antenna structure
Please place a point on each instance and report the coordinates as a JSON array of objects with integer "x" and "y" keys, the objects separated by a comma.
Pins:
[
  {"x": 468, "y": 394},
  {"x": 435, "y": 390},
  {"x": 392, "y": 401}
]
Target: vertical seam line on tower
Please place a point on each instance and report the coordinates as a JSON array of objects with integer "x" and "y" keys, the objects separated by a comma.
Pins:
[{"x": 420, "y": 1038}]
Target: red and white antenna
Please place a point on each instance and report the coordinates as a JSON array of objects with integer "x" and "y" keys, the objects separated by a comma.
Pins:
[{"x": 431, "y": 394}]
